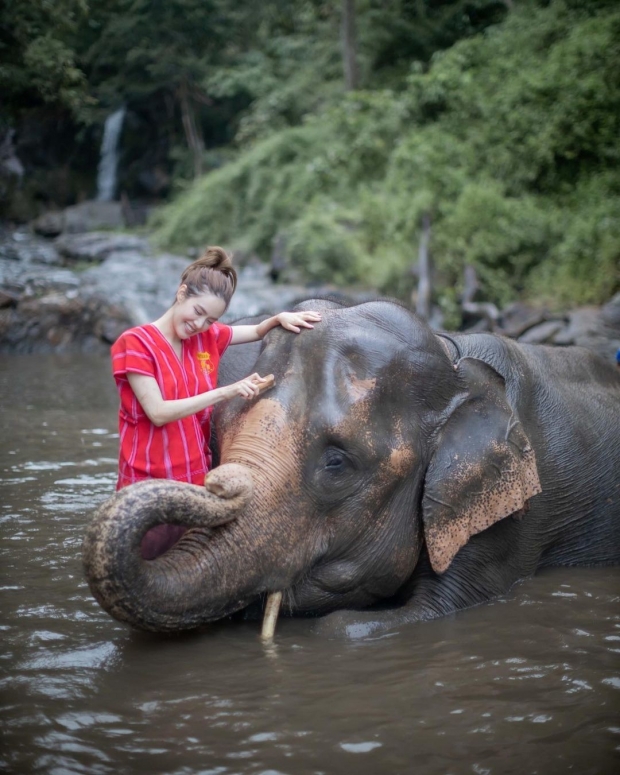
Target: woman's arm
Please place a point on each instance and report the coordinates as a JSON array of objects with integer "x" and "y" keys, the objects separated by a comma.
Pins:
[
  {"x": 292, "y": 321},
  {"x": 159, "y": 411}
]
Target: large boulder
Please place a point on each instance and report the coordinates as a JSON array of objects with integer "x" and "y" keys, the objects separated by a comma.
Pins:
[
  {"x": 596, "y": 328},
  {"x": 142, "y": 285},
  {"x": 24, "y": 249},
  {"x": 44, "y": 307},
  {"x": 91, "y": 215},
  {"x": 60, "y": 322},
  {"x": 81, "y": 218},
  {"x": 50, "y": 224},
  {"x": 97, "y": 246}
]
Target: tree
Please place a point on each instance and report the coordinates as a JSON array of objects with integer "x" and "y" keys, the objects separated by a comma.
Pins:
[
  {"x": 162, "y": 50},
  {"x": 349, "y": 45},
  {"x": 38, "y": 58}
]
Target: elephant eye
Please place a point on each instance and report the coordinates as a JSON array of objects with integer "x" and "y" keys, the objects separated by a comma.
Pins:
[
  {"x": 334, "y": 459},
  {"x": 336, "y": 475}
]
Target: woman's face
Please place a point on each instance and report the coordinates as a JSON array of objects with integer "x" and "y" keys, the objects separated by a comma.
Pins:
[{"x": 194, "y": 314}]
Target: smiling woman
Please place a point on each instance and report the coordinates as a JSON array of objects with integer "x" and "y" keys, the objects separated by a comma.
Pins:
[{"x": 166, "y": 374}]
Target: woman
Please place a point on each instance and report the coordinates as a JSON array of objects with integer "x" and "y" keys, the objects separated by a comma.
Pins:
[{"x": 166, "y": 373}]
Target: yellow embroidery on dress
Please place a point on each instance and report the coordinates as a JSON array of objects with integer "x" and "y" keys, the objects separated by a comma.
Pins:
[{"x": 204, "y": 359}]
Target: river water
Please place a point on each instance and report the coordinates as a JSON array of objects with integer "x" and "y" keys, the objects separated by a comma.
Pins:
[{"x": 529, "y": 683}]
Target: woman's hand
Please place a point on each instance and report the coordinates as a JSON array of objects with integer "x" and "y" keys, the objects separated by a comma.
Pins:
[
  {"x": 247, "y": 388},
  {"x": 291, "y": 321},
  {"x": 295, "y": 321}
]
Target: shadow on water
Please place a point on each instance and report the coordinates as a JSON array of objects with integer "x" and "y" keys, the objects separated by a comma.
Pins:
[{"x": 527, "y": 684}]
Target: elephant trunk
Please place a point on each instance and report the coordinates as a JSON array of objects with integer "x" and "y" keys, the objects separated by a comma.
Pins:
[{"x": 168, "y": 593}]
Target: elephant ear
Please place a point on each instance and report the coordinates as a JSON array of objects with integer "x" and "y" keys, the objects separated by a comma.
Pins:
[{"x": 483, "y": 468}]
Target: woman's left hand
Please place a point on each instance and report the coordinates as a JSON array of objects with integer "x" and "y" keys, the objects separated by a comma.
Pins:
[{"x": 295, "y": 321}]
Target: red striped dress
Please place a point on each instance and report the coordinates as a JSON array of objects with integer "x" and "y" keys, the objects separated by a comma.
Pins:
[{"x": 180, "y": 449}]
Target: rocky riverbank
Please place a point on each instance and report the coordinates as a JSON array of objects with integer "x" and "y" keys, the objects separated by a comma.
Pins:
[{"x": 79, "y": 291}]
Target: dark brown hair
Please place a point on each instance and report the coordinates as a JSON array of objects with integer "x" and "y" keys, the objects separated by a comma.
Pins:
[{"x": 212, "y": 273}]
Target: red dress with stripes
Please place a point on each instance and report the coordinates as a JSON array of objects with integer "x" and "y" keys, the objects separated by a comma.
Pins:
[{"x": 178, "y": 450}]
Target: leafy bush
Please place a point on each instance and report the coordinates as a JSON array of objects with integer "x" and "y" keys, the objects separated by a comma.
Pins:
[{"x": 509, "y": 143}]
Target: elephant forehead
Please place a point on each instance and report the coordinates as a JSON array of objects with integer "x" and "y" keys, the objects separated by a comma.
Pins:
[
  {"x": 357, "y": 389},
  {"x": 352, "y": 421},
  {"x": 382, "y": 435}
]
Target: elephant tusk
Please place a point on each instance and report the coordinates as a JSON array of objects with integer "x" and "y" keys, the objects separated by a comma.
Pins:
[{"x": 272, "y": 608}]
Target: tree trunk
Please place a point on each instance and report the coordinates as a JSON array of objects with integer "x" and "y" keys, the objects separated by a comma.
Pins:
[
  {"x": 423, "y": 303},
  {"x": 192, "y": 132},
  {"x": 349, "y": 45},
  {"x": 485, "y": 310}
]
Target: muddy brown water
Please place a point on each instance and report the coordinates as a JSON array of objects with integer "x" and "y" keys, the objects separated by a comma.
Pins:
[{"x": 529, "y": 683}]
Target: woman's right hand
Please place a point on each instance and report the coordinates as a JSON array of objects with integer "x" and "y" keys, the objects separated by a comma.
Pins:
[{"x": 248, "y": 387}]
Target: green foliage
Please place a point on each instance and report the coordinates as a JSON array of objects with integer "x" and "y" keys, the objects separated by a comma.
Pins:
[
  {"x": 199, "y": 75},
  {"x": 501, "y": 125},
  {"x": 584, "y": 260},
  {"x": 247, "y": 198},
  {"x": 394, "y": 33},
  {"x": 290, "y": 66},
  {"x": 514, "y": 127},
  {"x": 147, "y": 45},
  {"x": 509, "y": 142},
  {"x": 324, "y": 241},
  {"x": 38, "y": 59}
]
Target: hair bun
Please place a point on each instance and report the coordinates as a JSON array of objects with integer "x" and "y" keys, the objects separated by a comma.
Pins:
[
  {"x": 213, "y": 272},
  {"x": 215, "y": 257}
]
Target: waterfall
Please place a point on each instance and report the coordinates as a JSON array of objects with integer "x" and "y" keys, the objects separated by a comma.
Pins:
[{"x": 106, "y": 171}]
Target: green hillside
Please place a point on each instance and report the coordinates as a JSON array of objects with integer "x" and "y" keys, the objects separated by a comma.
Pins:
[{"x": 508, "y": 141}]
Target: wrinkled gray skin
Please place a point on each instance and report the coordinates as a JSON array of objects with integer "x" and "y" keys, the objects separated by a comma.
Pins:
[{"x": 389, "y": 469}]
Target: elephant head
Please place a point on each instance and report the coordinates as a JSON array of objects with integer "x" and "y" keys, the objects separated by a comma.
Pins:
[{"x": 372, "y": 448}]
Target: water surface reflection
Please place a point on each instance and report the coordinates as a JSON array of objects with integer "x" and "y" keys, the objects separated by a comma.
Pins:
[{"x": 527, "y": 684}]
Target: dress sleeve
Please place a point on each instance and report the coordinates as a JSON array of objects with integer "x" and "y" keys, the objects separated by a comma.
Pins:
[
  {"x": 223, "y": 335},
  {"x": 130, "y": 354}
]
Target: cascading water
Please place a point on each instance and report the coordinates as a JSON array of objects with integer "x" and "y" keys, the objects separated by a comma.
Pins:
[{"x": 106, "y": 172}]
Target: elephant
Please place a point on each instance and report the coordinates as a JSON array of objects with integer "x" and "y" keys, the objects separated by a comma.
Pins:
[{"x": 393, "y": 474}]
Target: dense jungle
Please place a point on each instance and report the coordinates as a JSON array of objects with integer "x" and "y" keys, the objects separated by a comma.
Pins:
[{"x": 333, "y": 138}]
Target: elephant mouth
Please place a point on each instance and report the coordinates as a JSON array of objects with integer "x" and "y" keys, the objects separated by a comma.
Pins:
[{"x": 161, "y": 538}]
